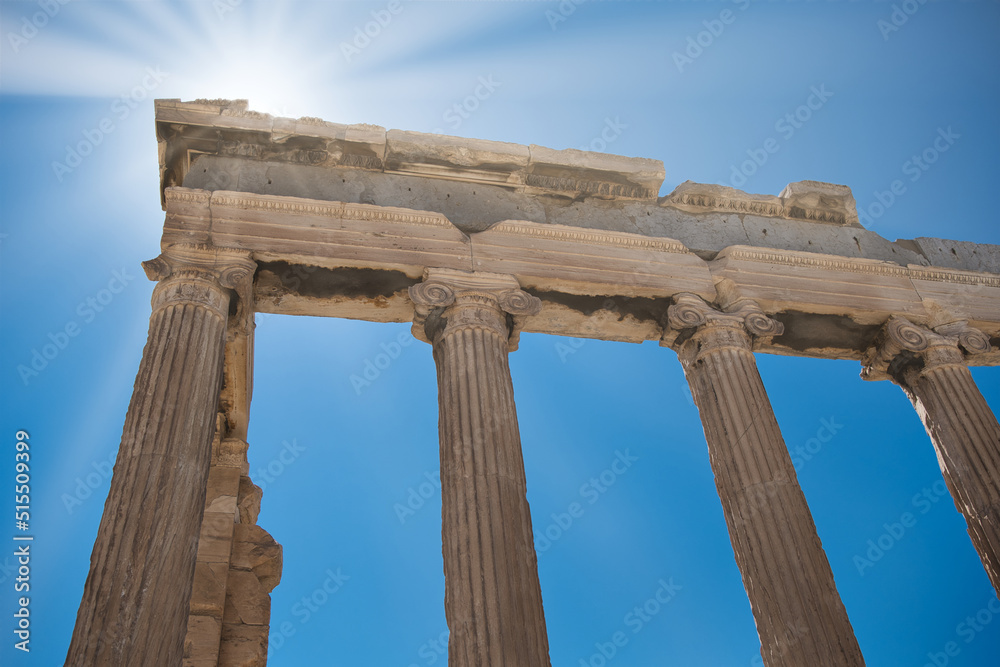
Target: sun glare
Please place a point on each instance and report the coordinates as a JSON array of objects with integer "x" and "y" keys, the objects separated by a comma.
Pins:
[{"x": 272, "y": 83}]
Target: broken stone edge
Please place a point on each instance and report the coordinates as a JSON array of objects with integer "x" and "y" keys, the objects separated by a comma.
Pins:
[{"x": 229, "y": 128}]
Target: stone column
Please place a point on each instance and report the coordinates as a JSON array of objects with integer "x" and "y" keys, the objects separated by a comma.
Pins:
[
  {"x": 800, "y": 617},
  {"x": 136, "y": 599},
  {"x": 930, "y": 366},
  {"x": 493, "y": 600}
]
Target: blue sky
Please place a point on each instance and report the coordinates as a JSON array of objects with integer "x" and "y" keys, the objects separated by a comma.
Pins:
[{"x": 559, "y": 76}]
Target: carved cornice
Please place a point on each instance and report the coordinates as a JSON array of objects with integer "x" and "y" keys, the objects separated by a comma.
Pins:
[
  {"x": 371, "y": 147},
  {"x": 178, "y": 194},
  {"x": 954, "y": 276},
  {"x": 294, "y": 206},
  {"x": 814, "y": 260},
  {"x": 691, "y": 318},
  {"x": 806, "y": 200},
  {"x": 770, "y": 207},
  {"x": 200, "y": 274},
  {"x": 583, "y": 186},
  {"x": 590, "y": 236},
  {"x": 449, "y": 300},
  {"x": 860, "y": 265},
  {"x": 245, "y": 113},
  {"x": 238, "y": 104},
  {"x": 901, "y": 344}
]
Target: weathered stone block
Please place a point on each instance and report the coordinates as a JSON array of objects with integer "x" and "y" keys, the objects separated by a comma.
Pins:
[
  {"x": 255, "y": 550},
  {"x": 249, "y": 500},
  {"x": 201, "y": 644},
  {"x": 223, "y": 487},
  {"x": 958, "y": 254},
  {"x": 475, "y": 160},
  {"x": 243, "y": 646},
  {"x": 247, "y": 601},
  {"x": 208, "y": 594},
  {"x": 231, "y": 453},
  {"x": 690, "y": 195},
  {"x": 215, "y": 540},
  {"x": 820, "y": 202},
  {"x": 584, "y": 172},
  {"x": 804, "y": 200}
]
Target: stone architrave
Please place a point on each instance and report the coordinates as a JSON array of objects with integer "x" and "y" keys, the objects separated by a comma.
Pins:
[
  {"x": 800, "y": 617},
  {"x": 136, "y": 599},
  {"x": 930, "y": 366},
  {"x": 493, "y": 600}
]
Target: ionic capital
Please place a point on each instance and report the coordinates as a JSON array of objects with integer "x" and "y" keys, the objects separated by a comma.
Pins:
[
  {"x": 901, "y": 344},
  {"x": 691, "y": 318},
  {"x": 448, "y": 300},
  {"x": 200, "y": 275}
]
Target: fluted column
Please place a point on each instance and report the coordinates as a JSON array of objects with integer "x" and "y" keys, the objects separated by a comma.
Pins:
[
  {"x": 800, "y": 617},
  {"x": 493, "y": 601},
  {"x": 930, "y": 366},
  {"x": 135, "y": 602}
]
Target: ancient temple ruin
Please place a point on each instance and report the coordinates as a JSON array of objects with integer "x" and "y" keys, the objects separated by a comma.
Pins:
[{"x": 474, "y": 242}]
